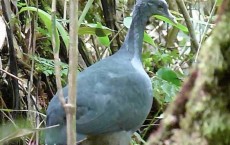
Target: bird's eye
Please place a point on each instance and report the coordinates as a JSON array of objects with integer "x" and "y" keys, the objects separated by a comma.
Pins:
[
  {"x": 150, "y": 4},
  {"x": 160, "y": 7}
]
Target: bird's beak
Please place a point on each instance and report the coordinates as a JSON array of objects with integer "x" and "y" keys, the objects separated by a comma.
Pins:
[{"x": 172, "y": 18}]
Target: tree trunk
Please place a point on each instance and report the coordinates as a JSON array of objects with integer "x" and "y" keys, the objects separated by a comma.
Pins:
[{"x": 200, "y": 115}]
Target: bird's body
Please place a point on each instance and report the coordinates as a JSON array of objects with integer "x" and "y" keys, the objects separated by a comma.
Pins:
[
  {"x": 121, "y": 109},
  {"x": 113, "y": 95}
]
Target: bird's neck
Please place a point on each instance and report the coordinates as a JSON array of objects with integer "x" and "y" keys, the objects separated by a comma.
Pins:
[{"x": 134, "y": 38}]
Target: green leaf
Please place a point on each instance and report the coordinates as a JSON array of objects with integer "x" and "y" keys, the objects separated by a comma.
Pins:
[
  {"x": 178, "y": 25},
  {"x": 16, "y": 134},
  {"x": 103, "y": 40},
  {"x": 164, "y": 91},
  {"x": 46, "y": 18},
  {"x": 168, "y": 75},
  {"x": 148, "y": 39},
  {"x": 93, "y": 29},
  {"x": 170, "y": 91},
  {"x": 19, "y": 128},
  {"x": 92, "y": 25}
]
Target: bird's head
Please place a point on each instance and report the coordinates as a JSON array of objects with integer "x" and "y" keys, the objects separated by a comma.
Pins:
[{"x": 155, "y": 7}]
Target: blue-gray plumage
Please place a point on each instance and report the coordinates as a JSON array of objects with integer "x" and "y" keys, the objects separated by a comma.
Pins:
[{"x": 114, "y": 94}]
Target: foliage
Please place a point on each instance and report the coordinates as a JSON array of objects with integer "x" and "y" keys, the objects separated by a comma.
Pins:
[
  {"x": 18, "y": 128},
  {"x": 166, "y": 82},
  {"x": 46, "y": 66},
  {"x": 177, "y": 25},
  {"x": 166, "y": 85},
  {"x": 46, "y": 18}
]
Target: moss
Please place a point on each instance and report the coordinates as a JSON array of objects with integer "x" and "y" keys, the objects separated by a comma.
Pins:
[
  {"x": 208, "y": 110},
  {"x": 205, "y": 118}
]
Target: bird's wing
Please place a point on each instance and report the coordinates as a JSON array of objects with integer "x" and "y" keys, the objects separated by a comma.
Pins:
[
  {"x": 102, "y": 98},
  {"x": 95, "y": 92}
]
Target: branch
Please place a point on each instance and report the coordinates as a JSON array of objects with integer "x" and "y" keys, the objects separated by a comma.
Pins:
[
  {"x": 56, "y": 56},
  {"x": 188, "y": 22},
  {"x": 70, "y": 107},
  {"x": 204, "y": 98}
]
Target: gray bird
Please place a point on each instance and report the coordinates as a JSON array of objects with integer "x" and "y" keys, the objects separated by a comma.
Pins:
[{"x": 114, "y": 96}]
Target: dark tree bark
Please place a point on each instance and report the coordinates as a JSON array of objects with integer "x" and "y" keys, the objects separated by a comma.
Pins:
[
  {"x": 109, "y": 12},
  {"x": 12, "y": 56}
]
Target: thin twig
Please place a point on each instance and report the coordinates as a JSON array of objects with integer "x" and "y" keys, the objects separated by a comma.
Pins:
[
  {"x": 188, "y": 22},
  {"x": 9, "y": 118},
  {"x": 103, "y": 52},
  {"x": 64, "y": 14},
  {"x": 13, "y": 76},
  {"x": 56, "y": 56},
  {"x": 9, "y": 110},
  {"x": 86, "y": 9},
  {"x": 205, "y": 29}
]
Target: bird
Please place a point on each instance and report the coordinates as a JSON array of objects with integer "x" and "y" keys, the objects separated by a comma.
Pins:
[{"x": 114, "y": 95}]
